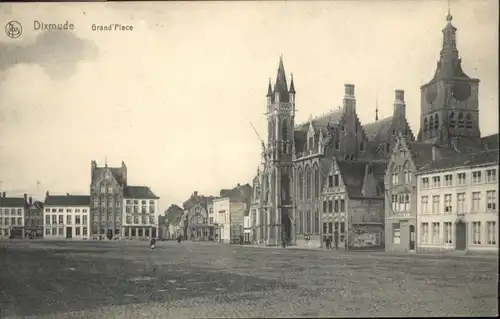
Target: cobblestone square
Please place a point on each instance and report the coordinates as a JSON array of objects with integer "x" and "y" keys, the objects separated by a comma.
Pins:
[{"x": 205, "y": 280}]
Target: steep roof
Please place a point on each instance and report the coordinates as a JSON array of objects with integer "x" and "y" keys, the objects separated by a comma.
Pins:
[
  {"x": 353, "y": 176},
  {"x": 67, "y": 200},
  {"x": 173, "y": 213},
  {"x": 241, "y": 193},
  {"x": 491, "y": 142},
  {"x": 378, "y": 131},
  {"x": 332, "y": 117},
  {"x": 421, "y": 153},
  {"x": 462, "y": 160},
  {"x": 139, "y": 192},
  {"x": 117, "y": 172},
  {"x": 12, "y": 202}
]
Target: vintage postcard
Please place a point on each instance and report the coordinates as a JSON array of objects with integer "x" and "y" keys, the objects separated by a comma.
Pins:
[{"x": 253, "y": 159}]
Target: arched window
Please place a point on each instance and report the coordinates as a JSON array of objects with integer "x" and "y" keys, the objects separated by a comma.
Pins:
[
  {"x": 395, "y": 175},
  {"x": 407, "y": 172},
  {"x": 308, "y": 182},
  {"x": 316, "y": 181},
  {"x": 468, "y": 121},
  {"x": 300, "y": 184},
  {"x": 284, "y": 130},
  {"x": 461, "y": 122},
  {"x": 431, "y": 121},
  {"x": 452, "y": 120},
  {"x": 270, "y": 130},
  {"x": 311, "y": 142},
  {"x": 436, "y": 122},
  {"x": 426, "y": 126}
]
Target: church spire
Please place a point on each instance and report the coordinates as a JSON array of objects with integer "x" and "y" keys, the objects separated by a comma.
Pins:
[
  {"x": 269, "y": 89},
  {"x": 281, "y": 86},
  {"x": 292, "y": 86}
]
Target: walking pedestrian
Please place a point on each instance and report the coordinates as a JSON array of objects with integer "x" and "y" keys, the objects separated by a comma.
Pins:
[{"x": 152, "y": 243}]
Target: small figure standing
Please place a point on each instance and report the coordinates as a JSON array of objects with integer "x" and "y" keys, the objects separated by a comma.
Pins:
[
  {"x": 152, "y": 243},
  {"x": 179, "y": 239}
]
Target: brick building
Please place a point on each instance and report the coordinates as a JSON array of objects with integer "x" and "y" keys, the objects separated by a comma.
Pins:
[{"x": 12, "y": 212}]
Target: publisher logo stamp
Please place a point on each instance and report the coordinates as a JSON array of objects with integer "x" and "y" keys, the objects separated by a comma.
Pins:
[{"x": 13, "y": 29}]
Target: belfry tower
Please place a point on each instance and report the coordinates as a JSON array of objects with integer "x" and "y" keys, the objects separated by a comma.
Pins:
[
  {"x": 280, "y": 113},
  {"x": 449, "y": 102}
]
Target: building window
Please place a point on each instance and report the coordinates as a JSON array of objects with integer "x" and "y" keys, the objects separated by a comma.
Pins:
[
  {"x": 425, "y": 183},
  {"x": 316, "y": 181},
  {"x": 103, "y": 189},
  {"x": 47, "y": 219},
  {"x": 424, "y": 203},
  {"x": 211, "y": 220},
  {"x": 401, "y": 202},
  {"x": 84, "y": 231},
  {"x": 461, "y": 203},
  {"x": 325, "y": 206},
  {"x": 300, "y": 185},
  {"x": 85, "y": 220},
  {"x": 61, "y": 231},
  {"x": 61, "y": 210},
  {"x": 337, "y": 145},
  {"x": 128, "y": 219},
  {"x": 395, "y": 175},
  {"x": 361, "y": 146},
  {"x": 476, "y": 233},
  {"x": 336, "y": 206},
  {"x": 491, "y": 198},
  {"x": 396, "y": 234},
  {"x": 435, "y": 233},
  {"x": 110, "y": 189},
  {"x": 136, "y": 219},
  {"x": 336, "y": 180},
  {"x": 436, "y": 181},
  {"x": 461, "y": 178},
  {"x": 54, "y": 231},
  {"x": 491, "y": 175},
  {"x": 110, "y": 203},
  {"x": 342, "y": 206},
  {"x": 435, "y": 204},
  {"x": 394, "y": 200},
  {"x": 407, "y": 203},
  {"x": 61, "y": 219},
  {"x": 447, "y": 233},
  {"x": 476, "y": 177},
  {"x": 448, "y": 180},
  {"x": 77, "y": 220},
  {"x": 476, "y": 201},
  {"x": 68, "y": 219},
  {"x": 407, "y": 173},
  {"x": 330, "y": 206},
  {"x": 425, "y": 232},
  {"x": 77, "y": 231},
  {"x": 491, "y": 229},
  {"x": 448, "y": 207}
]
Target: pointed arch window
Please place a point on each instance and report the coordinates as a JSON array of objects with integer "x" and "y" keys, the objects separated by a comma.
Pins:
[
  {"x": 452, "y": 120},
  {"x": 300, "y": 185},
  {"x": 407, "y": 172},
  {"x": 426, "y": 125},
  {"x": 468, "y": 121},
  {"x": 316, "y": 181},
  {"x": 431, "y": 122},
  {"x": 308, "y": 182},
  {"x": 395, "y": 175},
  {"x": 461, "y": 122},
  {"x": 284, "y": 129},
  {"x": 311, "y": 142},
  {"x": 436, "y": 122}
]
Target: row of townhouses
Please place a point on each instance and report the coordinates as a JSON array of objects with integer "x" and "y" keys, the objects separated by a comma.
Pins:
[
  {"x": 114, "y": 209},
  {"x": 224, "y": 218},
  {"x": 379, "y": 185}
]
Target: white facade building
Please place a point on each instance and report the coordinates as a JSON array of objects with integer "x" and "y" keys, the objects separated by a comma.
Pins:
[
  {"x": 66, "y": 216},
  {"x": 222, "y": 219},
  {"x": 12, "y": 214},
  {"x": 140, "y": 212},
  {"x": 457, "y": 206}
]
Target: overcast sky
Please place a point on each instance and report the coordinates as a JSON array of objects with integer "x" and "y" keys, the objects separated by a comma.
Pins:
[{"x": 174, "y": 97}]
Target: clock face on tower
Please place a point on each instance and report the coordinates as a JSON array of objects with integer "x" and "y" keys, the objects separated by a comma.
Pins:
[
  {"x": 431, "y": 94},
  {"x": 461, "y": 91}
]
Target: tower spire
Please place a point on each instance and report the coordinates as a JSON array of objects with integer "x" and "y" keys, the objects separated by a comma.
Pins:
[
  {"x": 449, "y": 17},
  {"x": 281, "y": 86},
  {"x": 292, "y": 86},
  {"x": 376, "y": 107},
  {"x": 269, "y": 89}
]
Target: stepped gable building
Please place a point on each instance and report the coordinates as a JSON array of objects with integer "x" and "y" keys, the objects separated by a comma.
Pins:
[
  {"x": 106, "y": 192},
  {"x": 449, "y": 129},
  {"x": 297, "y": 158},
  {"x": 197, "y": 223}
]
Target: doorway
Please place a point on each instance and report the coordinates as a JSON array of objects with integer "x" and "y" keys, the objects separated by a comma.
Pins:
[
  {"x": 287, "y": 227},
  {"x": 69, "y": 232},
  {"x": 109, "y": 234},
  {"x": 412, "y": 237},
  {"x": 460, "y": 236}
]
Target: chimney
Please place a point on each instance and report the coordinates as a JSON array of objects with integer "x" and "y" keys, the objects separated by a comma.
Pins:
[
  {"x": 47, "y": 194},
  {"x": 3, "y": 194},
  {"x": 124, "y": 172},
  {"x": 349, "y": 99},
  {"x": 67, "y": 194},
  {"x": 435, "y": 152},
  {"x": 195, "y": 194},
  {"x": 31, "y": 200},
  {"x": 25, "y": 197},
  {"x": 399, "y": 104}
]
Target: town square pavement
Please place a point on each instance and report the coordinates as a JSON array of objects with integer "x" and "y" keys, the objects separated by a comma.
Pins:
[{"x": 124, "y": 279}]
